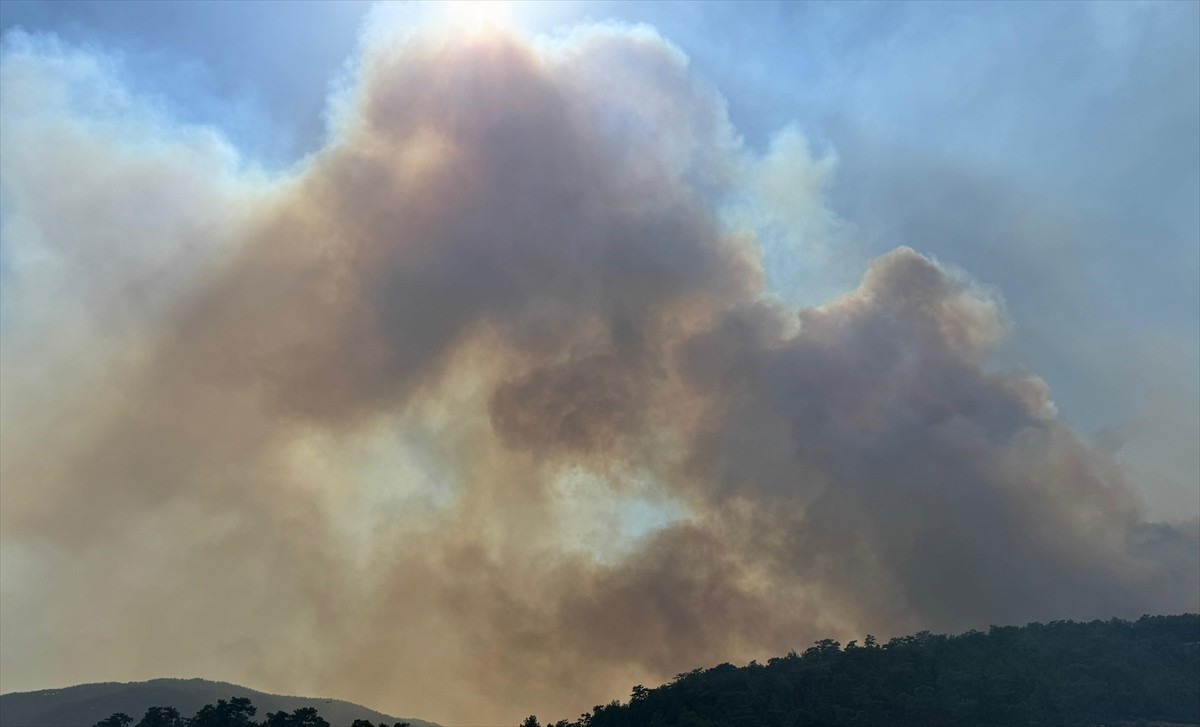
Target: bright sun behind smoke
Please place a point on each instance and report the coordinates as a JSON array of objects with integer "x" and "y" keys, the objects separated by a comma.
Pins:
[{"x": 477, "y": 14}]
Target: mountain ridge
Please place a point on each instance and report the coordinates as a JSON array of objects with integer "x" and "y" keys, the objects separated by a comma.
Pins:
[{"x": 82, "y": 705}]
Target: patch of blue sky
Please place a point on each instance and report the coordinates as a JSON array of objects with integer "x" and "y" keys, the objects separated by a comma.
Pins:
[
  {"x": 259, "y": 72},
  {"x": 606, "y": 519},
  {"x": 638, "y": 518}
]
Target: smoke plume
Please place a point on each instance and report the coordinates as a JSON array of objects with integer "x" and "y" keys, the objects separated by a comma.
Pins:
[{"x": 485, "y": 408}]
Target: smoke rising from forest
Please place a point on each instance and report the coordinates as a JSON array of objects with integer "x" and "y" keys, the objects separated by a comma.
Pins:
[{"x": 485, "y": 407}]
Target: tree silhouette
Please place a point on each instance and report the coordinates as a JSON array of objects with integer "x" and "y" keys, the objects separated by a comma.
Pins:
[
  {"x": 117, "y": 719},
  {"x": 302, "y": 717},
  {"x": 234, "y": 713},
  {"x": 161, "y": 717}
]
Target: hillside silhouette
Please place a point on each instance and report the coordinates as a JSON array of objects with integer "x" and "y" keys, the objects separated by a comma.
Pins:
[
  {"x": 87, "y": 704},
  {"x": 1144, "y": 672}
]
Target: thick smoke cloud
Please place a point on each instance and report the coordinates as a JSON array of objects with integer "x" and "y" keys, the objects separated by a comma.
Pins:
[{"x": 484, "y": 408}]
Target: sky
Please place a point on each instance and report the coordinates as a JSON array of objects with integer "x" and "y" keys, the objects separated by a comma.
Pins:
[{"x": 466, "y": 361}]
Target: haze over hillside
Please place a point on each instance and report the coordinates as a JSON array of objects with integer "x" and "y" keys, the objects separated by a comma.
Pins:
[{"x": 86, "y": 704}]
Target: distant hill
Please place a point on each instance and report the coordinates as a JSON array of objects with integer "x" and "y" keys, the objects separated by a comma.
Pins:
[
  {"x": 86, "y": 704},
  {"x": 1144, "y": 672}
]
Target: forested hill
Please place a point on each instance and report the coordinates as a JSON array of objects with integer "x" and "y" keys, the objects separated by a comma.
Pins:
[{"x": 1060, "y": 673}]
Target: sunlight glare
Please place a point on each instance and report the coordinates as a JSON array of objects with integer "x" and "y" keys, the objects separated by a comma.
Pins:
[{"x": 477, "y": 14}]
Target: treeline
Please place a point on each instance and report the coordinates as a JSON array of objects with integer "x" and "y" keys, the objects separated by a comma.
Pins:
[
  {"x": 1060, "y": 673},
  {"x": 236, "y": 712}
]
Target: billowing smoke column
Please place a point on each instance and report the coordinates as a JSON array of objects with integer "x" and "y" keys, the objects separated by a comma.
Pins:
[{"x": 485, "y": 408}]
